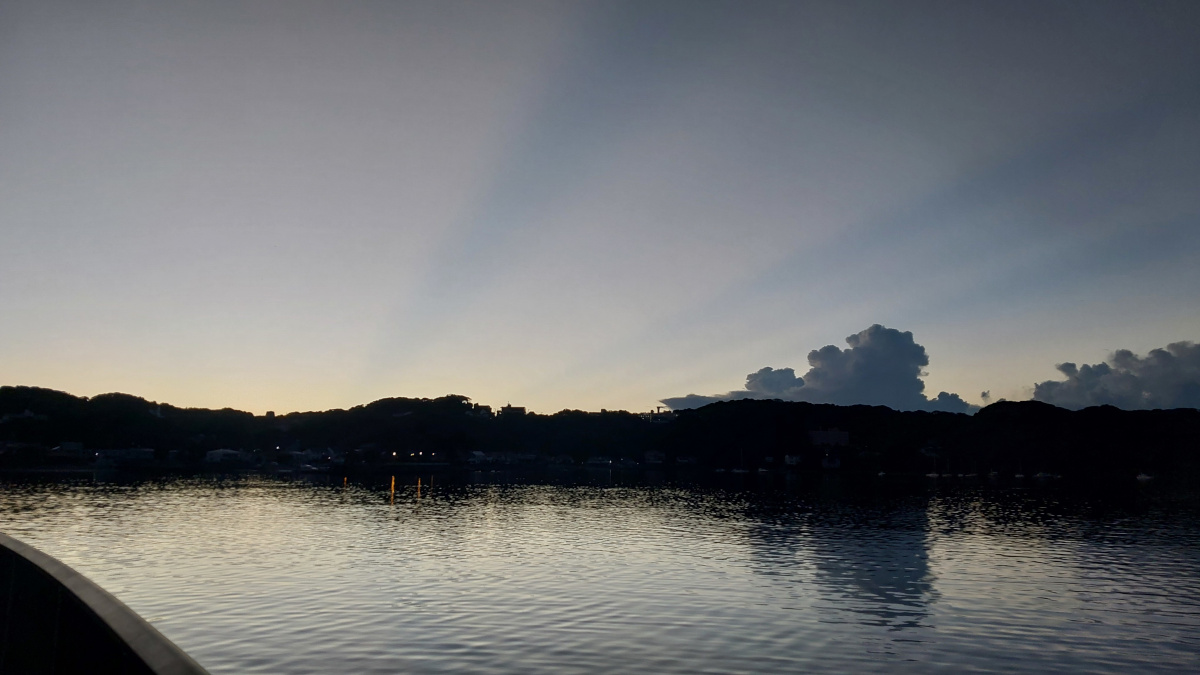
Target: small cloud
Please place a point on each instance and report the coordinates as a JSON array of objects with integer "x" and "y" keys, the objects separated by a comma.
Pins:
[
  {"x": 986, "y": 396},
  {"x": 1164, "y": 378},
  {"x": 947, "y": 402},
  {"x": 691, "y": 401}
]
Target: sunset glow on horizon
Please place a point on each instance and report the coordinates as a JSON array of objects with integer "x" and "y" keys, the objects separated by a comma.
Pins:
[{"x": 297, "y": 206}]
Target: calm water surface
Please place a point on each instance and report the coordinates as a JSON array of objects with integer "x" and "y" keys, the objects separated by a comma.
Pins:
[{"x": 255, "y": 574}]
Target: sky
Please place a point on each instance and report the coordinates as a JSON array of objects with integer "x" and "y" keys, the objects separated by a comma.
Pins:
[{"x": 287, "y": 205}]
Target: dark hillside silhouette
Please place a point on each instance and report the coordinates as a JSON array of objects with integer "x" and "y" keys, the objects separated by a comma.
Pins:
[{"x": 40, "y": 427}]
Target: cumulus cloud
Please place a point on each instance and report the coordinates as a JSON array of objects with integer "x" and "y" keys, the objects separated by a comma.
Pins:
[
  {"x": 882, "y": 366},
  {"x": 775, "y": 383},
  {"x": 1164, "y": 378}
]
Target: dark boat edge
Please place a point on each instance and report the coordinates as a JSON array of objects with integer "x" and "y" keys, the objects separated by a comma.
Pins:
[{"x": 157, "y": 653}]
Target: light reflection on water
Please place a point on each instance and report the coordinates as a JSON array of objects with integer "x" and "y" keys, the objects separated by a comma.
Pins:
[{"x": 261, "y": 575}]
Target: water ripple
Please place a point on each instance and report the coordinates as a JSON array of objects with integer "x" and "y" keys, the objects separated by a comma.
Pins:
[{"x": 256, "y": 575}]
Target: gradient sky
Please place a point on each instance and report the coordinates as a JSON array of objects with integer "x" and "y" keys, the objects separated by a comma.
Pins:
[{"x": 301, "y": 205}]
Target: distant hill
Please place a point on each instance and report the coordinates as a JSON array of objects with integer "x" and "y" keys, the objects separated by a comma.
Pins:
[{"x": 1008, "y": 437}]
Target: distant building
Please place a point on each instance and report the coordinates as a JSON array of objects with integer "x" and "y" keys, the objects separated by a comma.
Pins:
[
  {"x": 512, "y": 411},
  {"x": 27, "y": 415},
  {"x": 660, "y": 414},
  {"x": 143, "y": 454},
  {"x": 317, "y": 455},
  {"x": 830, "y": 441},
  {"x": 225, "y": 455},
  {"x": 68, "y": 450},
  {"x": 830, "y": 437},
  {"x": 124, "y": 457}
]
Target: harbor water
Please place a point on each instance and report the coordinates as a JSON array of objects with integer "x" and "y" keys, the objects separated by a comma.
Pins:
[{"x": 485, "y": 573}]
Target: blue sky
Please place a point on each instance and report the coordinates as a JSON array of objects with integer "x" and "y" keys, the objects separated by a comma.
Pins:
[{"x": 303, "y": 205}]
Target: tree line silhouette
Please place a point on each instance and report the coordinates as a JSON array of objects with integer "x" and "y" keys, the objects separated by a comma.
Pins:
[{"x": 1025, "y": 437}]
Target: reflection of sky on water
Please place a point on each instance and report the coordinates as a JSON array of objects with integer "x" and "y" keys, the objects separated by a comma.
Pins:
[
  {"x": 260, "y": 575},
  {"x": 1085, "y": 569}
]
